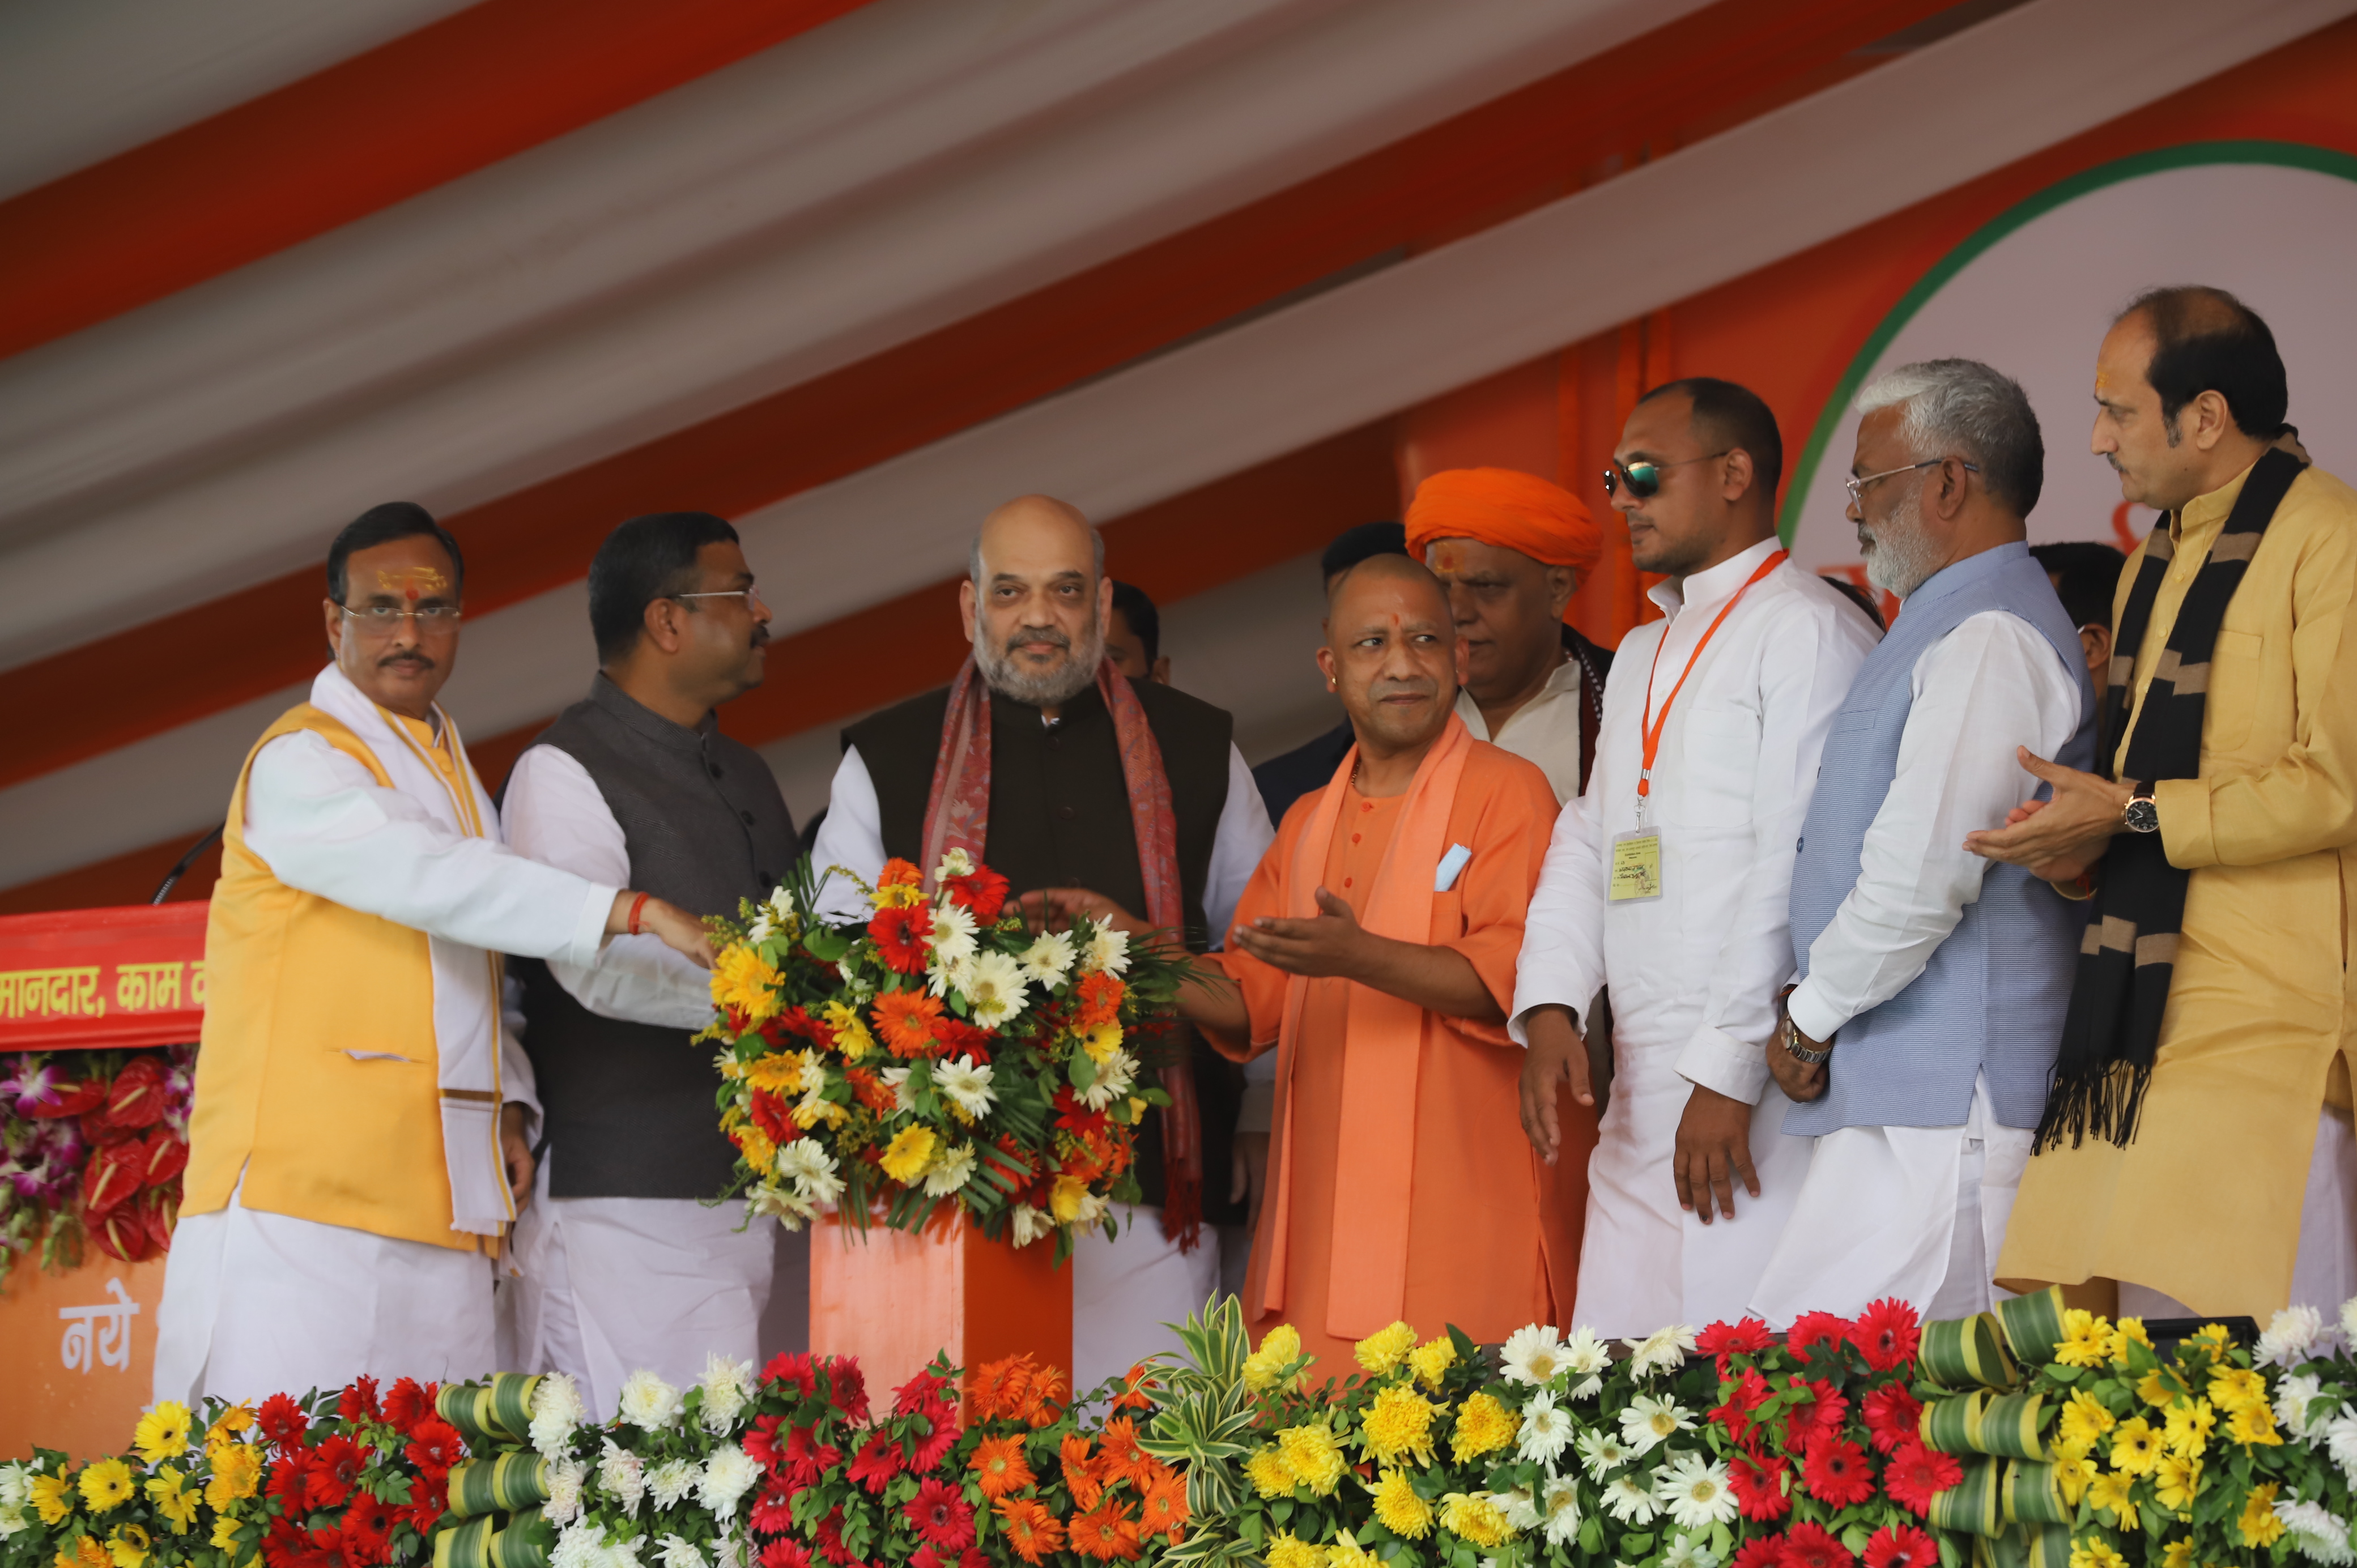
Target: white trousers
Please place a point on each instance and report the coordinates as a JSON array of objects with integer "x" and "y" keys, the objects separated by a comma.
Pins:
[
  {"x": 2324, "y": 1274},
  {"x": 259, "y": 1304},
  {"x": 611, "y": 1285},
  {"x": 1125, "y": 1290},
  {"x": 1914, "y": 1213}
]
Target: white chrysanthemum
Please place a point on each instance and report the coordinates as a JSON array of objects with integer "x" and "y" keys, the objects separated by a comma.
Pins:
[
  {"x": 895, "y": 1078},
  {"x": 580, "y": 1545},
  {"x": 621, "y": 1476},
  {"x": 557, "y": 1412},
  {"x": 1602, "y": 1452},
  {"x": 648, "y": 1402},
  {"x": 1650, "y": 1421},
  {"x": 1696, "y": 1492},
  {"x": 1114, "y": 1077},
  {"x": 16, "y": 1484},
  {"x": 782, "y": 1204},
  {"x": 966, "y": 1083},
  {"x": 1546, "y": 1431},
  {"x": 954, "y": 862},
  {"x": 672, "y": 1480},
  {"x": 950, "y": 1172},
  {"x": 1532, "y": 1355},
  {"x": 806, "y": 1163},
  {"x": 2293, "y": 1396},
  {"x": 1050, "y": 957},
  {"x": 1663, "y": 1350},
  {"x": 1628, "y": 1501},
  {"x": 995, "y": 991},
  {"x": 728, "y": 1475},
  {"x": 727, "y": 1386},
  {"x": 2340, "y": 1441},
  {"x": 1516, "y": 1503},
  {"x": 1686, "y": 1551},
  {"x": 2290, "y": 1337},
  {"x": 1108, "y": 952},
  {"x": 674, "y": 1552},
  {"x": 1030, "y": 1224},
  {"x": 2315, "y": 1532},
  {"x": 565, "y": 1477},
  {"x": 624, "y": 1553}
]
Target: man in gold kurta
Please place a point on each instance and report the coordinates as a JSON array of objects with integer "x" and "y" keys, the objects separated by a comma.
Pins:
[{"x": 2234, "y": 1188}]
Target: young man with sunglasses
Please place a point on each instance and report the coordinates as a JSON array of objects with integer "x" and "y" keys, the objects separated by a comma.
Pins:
[
  {"x": 1668, "y": 878},
  {"x": 624, "y": 1264},
  {"x": 361, "y": 1138}
]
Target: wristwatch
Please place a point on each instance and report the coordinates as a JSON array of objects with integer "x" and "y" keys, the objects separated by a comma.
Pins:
[
  {"x": 2140, "y": 816},
  {"x": 1791, "y": 1036}
]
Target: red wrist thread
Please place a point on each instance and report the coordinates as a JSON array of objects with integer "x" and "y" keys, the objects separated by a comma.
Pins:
[{"x": 635, "y": 905}]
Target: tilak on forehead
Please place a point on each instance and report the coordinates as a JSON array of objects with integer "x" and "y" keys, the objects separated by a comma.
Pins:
[{"x": 413, "y": 583}]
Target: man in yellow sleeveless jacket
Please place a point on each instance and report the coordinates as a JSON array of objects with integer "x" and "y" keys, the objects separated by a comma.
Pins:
[{"x": 361, "y": 1136}]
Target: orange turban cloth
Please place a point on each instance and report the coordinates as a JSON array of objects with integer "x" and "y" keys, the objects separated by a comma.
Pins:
[{"x": 1509, "y": 509}]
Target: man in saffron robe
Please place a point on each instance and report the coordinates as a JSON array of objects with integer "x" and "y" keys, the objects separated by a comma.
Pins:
[{"x": 1374, "y": 951}]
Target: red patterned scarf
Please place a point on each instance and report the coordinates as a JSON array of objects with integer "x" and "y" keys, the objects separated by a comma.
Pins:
[{"x": 957, "y": 816}]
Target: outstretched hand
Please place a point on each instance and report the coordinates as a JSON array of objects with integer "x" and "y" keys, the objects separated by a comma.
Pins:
[
  {"x": 677, "y": 929},
  {"x": 2057, "y": 839},
  {"x": 1330, "y": 943},
  {"x": 1557, "y": 1055}
]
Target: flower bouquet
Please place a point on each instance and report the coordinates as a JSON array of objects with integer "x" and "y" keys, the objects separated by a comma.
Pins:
[
  {"x": 941, "y": 1052},
  {"x": 92, "y": 1143}
]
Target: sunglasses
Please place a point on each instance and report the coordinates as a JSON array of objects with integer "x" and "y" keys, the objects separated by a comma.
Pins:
[{"x": 1645, "y": 479}]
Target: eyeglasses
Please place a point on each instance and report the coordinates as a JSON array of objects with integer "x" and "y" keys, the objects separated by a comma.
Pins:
[
  {"x": 749, "y": 594},
  {"x": 380, "y": 619},
  {"x": 1644, "y": 479},
  {"x": 1857, "y": 487}
]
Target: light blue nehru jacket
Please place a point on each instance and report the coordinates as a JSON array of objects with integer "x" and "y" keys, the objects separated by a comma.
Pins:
[{"x": 1992, "y": 998}]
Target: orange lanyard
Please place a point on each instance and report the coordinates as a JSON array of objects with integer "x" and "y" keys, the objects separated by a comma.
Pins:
[{"x": 1654, "y": 723}]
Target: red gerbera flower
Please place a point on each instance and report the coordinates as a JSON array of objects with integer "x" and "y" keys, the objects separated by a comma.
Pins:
[
  {"x": 1812, "y": 1329},
  {"x": 358, "y": 1401},
  {"x": 1886, "y": 1334},
  {"x": 1758, "y": 1483},
  {"x": 912, "y": 1396},
  {"x": 806, "y": 1459},
  {"x": 829, "y": 1534},
  {"x": 1891, "y": 1415},
  {"x": 934, "y": 1446},
  {"x": 288, "y": 1475},
  {"x": 1836, "y": 1471},
  {"x": 1760, "y": 1552},
  {"x": 428, "y": 1497},
  {"x": 407, "y": 1402},
  {"x": 1915, "y": 1472},
  {"x": 846, "y": 1388},
  {"x": 875, "y": 1463},
  {"x": 981, "y": 892},
  {"x": 435, "y": 1445},
  {"x": 899, "y": 935},
  {"x": 1726, "y": 1340},
  {"x": 368, "y": 1523},
  {"x": 770, "y": 1116},
  {"x": 1075, "y": 1118},
  {"x": 1809, "y": 1546},
  {"x": 335, "y": 1470},
  {"x": 1822, "y": 1410},
  {"x": 282, "y": 1421},
  {"x": 785, "y": 1552},
  {"x": 940, "y": 1515},
  {"x": 1750, "y": 1393},
  {"x": 773, "y": 1511},
  {"x": 959, "y": 1038},
  {"x": 761, "y": 1443},
  {"x": 792, "y": 1369},
  {"x": 1901, "y": 1546}
]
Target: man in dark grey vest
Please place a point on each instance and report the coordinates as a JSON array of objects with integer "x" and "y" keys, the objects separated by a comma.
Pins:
[
  {"x": 1061, "y": 810},
  {"x": 623, "y": 1267}
]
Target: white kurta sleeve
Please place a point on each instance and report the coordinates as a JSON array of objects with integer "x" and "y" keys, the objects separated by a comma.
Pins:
[
  {"x": 323, "y": 824},
  {"x": 1806, "y": 672},
  {"x": 852, "y": 837},
  {"x": 1561, "y": 961},
  {"x": 1990, "y": 685},
  {"x": 556, "y": 814},
  {"x": 1242, "y": 836}
]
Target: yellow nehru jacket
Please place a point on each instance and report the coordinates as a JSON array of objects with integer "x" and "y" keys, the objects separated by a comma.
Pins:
[{"x": 318, "y": 1075}]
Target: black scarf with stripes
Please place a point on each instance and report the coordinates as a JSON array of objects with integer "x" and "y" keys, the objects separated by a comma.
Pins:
[{"x": 2129, "y": 952}]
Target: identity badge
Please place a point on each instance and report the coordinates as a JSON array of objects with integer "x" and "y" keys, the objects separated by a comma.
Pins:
[{"x": 1636, "y": 867}]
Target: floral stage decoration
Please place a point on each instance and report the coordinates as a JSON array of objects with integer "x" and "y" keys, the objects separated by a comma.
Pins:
[
  {"x": 939, "y": 1053},
  {"x": 92, "y": 1146},
  {"x": 2033, "y": 1437}
]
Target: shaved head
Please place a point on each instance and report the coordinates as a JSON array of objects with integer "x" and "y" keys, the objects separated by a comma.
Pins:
[
  {"x": 1395, "y": 569},
  {"x": 1035, "y": 601},
  {"x": 1040, "y": 519}
]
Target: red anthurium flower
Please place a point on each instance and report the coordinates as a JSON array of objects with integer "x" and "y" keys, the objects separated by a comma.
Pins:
[
  {"x": 135, "y": 1097},
  {"x": 1836, "y": 1471},
  {"x": 1887, "y": 1334}
]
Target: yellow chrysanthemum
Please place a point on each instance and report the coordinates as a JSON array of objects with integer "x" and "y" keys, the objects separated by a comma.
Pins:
[
  {"x": 780, "y": 1072},
  {"x": 1313, "y": 1456},
  {"x": 2094, "y": 1551},
  {"x": 2259, "y": 1525},
  {"x": 237, "y": 1472},
  {"x": 1398, "y": 1424},
  {"x": 52, "y": 1498},
  {"x": 163, "y": 1432},
  {"x": 2135, "y": 1447},
  {"x": 911, "y": 1151},
  {"x": 1270, "y": 1476},
  {"x": 2189, "y": 1428},
  {"x": 851, "y": 1036},
  {"x": 1382, "y": 1351},
  {"x": 1346, "y": 1552},
  {"x": 168, "y": 1490},
  {"x": 2235, "y": 1389},
  {"x": 2254, "y": 1426},
  {"x": 1290, "y": 1551},
  {"x": 2109, "y": 1491},
  {"x": 106, "y": 1486},
  {"x": 1399, "y": 1509},
  {"x": 1065, "y": 1199},
  {"x": 2086, "y": 1339},
  {"x": 1100, "y": 1043},
  {"x": 127, "y": 1546},
  {"x": 1476, "y": 1518},
  {"x": 2072, "y": 1475},
  {"x": 1483, "y": 1426},
  {"x": 1279, "y": 1348},
  {"x": 2175, "y": 1482},
  {"x": 2129, "y": 1331},
  {"x": 1431, "y": 1360},
  {"x": 2083, "y": 1420},
  {"x": 743, "y": 980}
]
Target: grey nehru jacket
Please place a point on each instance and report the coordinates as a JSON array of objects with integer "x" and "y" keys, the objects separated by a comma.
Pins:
[{"x": 629, "y": 1107}]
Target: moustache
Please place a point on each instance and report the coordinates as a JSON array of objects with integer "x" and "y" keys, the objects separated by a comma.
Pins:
[
  {"x": 1047, "y": 634},
  {"x": 405, "y": 659},
  {"x": 761, "y": 635}
]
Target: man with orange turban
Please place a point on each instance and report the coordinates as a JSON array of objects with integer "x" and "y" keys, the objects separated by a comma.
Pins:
[{"x": 1511, "y": 548}]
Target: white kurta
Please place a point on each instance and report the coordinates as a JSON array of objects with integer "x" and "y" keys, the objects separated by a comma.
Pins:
[
  {"x": 1545, "y": 730},
  {"x": 1919, "y": 1213},
  {"x": 1694, "y": 973},
  {"x": 257, "y": 1303},
  {"x": 1123, "y": 1289},
  {"x": 613, "y": 1285}
]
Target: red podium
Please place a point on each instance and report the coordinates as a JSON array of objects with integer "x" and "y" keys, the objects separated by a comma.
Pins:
[{"x": 896, "y": 1299}]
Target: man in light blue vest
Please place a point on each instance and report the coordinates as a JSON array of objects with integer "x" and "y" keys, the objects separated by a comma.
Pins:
[{"x": 1933, "y": 983}]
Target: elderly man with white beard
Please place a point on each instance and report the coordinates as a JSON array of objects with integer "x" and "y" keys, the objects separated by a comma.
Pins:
[
  {"x": 1931, "y": 984},
  {"x": 1045, "y": 763}
]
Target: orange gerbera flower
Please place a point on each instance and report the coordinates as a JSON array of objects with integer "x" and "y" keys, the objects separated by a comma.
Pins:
[
  {"x": 1105, "y": 1534},
  {"x": 1000, "y": 1466},
  {"x": 873, "y": 1091},
  {"x": 1099, "y": 996},
  {"x": 1137, "y": 1389},
  {"x": 1031, "y": 1529},
  {"x": 996, "y": 1388},
  {"x": 1119, "y": 1457},
  {"x": 1164, "y": 1510},
  {"x": 1081, "y": 1477},
  {"x": 905, "y": 1020},
  {"x": 1043, "y": 1397}
]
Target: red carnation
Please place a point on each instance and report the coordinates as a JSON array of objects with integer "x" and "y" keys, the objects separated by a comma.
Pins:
[
  {"x": 1812, "y": 1329},
  {"x": 981, "y": 893},
  {"x": 1724, "y": 1340},
  {"x": 1822, "y": 1410},
  {"x": 1809, "y": 1546},
  {"x": 358, "y": 1401},
  {"x": 875, "y": 1463},
  {"x": 1915, "y": 1472},
  {"x": 1758, "y": 1483},
  {"x": 1760, "y": 1552},
  {"x": 435, "y": 1445},
  {"x": 1901, "y": 1546},
  {"x": 407, "y": 1402},
  {"x": 899, "y": 935},
  {"x": 940, "y": 1515},
  {"x": 785, "y": 1552},
  {"x": 282, "y": 1421},
  {"x": 1891, "y": 1415},
  {"x": 335, "y": 1471},
  {"x": 1886, "y": 1334},
  {"x": 1836, "y": 1471}
]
